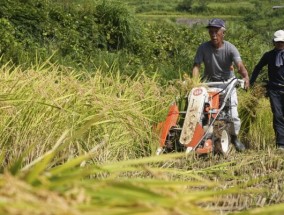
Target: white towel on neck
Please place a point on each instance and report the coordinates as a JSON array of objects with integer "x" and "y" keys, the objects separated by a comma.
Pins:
[{"x": 279, "y": 58}]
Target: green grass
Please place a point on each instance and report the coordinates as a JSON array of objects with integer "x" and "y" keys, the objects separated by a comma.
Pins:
[
  {"x": 233, "y": 5},
  {"x": 157, "y": 6}
]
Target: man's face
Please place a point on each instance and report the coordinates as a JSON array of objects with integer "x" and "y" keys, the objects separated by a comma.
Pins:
[
  {"x": 216, "y": 36},
  {"x": 279, "y": 45}
]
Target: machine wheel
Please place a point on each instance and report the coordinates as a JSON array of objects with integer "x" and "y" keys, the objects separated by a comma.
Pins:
[{"x": 222, "y": 138}]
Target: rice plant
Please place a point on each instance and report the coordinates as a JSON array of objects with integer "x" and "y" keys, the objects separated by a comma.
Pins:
[{"x": 81, "y": 143}]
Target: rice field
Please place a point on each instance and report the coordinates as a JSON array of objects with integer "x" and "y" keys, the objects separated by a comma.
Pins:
[{"x": 83, "y": 143}]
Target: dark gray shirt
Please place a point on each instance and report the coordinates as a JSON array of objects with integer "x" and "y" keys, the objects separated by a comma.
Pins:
[
  {"x": 275, "y": 73},
  {"x": 217, "y": 62}
]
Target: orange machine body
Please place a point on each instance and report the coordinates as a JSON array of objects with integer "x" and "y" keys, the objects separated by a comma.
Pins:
[
  {"x": 197, "y": 135},
  {"x": 170, "y": 121},
  {"x": 214, "y": 102}
]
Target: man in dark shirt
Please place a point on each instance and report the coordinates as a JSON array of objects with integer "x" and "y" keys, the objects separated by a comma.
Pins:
[{"x": 274, "y": 59}]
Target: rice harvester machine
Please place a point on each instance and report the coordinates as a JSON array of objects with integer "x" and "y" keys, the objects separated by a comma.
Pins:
[{"x": 203, "y": 126}]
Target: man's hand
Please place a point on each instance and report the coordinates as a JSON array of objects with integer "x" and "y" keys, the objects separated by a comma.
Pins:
[
  {"x": 244, "y": 73},
  {"x": 247, "y": 84}
]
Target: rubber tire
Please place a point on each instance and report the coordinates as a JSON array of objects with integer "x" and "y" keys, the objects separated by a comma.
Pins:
[{"x": 221, "y": 139}]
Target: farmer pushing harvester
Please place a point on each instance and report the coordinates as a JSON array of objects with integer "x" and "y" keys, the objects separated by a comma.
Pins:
[{"x": 210, "y": 121}]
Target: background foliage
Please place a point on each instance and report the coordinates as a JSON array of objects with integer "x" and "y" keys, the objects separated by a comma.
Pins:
[{"x": 88, "y": 34}]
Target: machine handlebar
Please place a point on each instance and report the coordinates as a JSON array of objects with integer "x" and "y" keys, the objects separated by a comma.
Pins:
[{"x": 234, "y": 81}]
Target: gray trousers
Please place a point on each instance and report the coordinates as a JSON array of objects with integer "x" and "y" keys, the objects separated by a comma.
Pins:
[{"x": 236, "y": 124}]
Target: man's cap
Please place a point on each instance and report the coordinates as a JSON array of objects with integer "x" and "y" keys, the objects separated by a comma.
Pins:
[
  {"x": 278, "y": 36},
  {"x": 217, "y": 23}
]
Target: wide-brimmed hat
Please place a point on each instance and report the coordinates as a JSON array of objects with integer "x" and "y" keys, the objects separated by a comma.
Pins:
[
  {"x": 278, "y": 36},
  {"x": 217, "y": 23}
]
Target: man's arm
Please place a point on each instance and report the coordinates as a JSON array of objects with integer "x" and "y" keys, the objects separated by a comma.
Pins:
[
  {"x": 258, "y": 68},
  {"x": 254, "y": 76},
  {"x": 244, "y": 73},
  {"x": 195, "y": 71}
]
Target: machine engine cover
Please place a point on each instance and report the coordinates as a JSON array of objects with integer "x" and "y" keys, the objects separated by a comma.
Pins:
[{"x": 196, "y": 100}]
